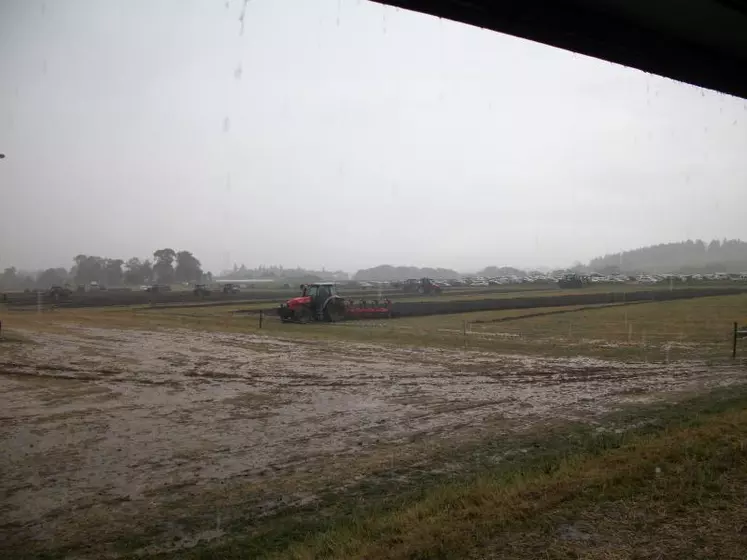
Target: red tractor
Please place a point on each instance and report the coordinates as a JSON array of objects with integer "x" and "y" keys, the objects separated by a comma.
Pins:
[
  {"x": 321, "y": 302},
  {"x": 424, "y": 286},
  {"x": 317, "y": 302}
]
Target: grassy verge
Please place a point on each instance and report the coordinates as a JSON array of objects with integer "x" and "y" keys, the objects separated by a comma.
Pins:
[
  {"x": 659, "y": 330},
  {"x": 672, "y": 487}
]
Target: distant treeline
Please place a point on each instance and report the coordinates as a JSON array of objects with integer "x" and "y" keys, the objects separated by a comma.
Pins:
[
  {"x": 501, "y": 271},
  {"x": 281, "y": 274},
  {"x": 729, "y": 255},
  {"x": 386, "y": 272},
  {"x": 168, "y": 266}
]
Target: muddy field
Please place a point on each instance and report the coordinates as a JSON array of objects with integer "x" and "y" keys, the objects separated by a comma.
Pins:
[{"x": 103, "y": 425}]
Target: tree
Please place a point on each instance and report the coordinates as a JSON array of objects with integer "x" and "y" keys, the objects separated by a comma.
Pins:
[
  {"x": 187, "y": 268},
  {"x": 12, "y": 279},
  {"x": 387, "y": 272},
  {"x": 578, "y": 268},
  {"x": 25, "y": 282},
  {"x": 494, "y": 271},
  {"x": 163, "y": 269},
  {"x": 686, "y": 256},
  {"x": 113, "y": 272},
  {"x": 9, "y": 280},
  {"x": 132, "y": 272},
  {"x": 146, "y": 271},
  {"x": 51, "y": 277},
  {"x": 89, "y": 269},
  {"x": 610, "y": 270},
  {"x": 137, "y": 271}
]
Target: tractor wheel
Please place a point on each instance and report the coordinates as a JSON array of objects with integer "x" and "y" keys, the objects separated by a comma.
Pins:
[
  {"x": 334, "y": 312},
  {"x": 303, "y": 316}
]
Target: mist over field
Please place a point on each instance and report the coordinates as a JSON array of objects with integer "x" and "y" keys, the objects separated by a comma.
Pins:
[{"x": 342, "y": 135}]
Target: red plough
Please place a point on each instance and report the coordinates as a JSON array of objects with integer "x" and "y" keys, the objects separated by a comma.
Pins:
[{"x": 368, "y": 309}]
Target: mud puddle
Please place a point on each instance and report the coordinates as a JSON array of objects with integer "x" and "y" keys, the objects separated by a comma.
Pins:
[{"x": 121, "y": 418}]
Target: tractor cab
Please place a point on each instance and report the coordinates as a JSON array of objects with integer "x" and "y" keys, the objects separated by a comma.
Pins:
[
  {"x": 319, "y": 291},
  {"x": 422, "y": 286},
  {"x": 201, "y": 290},
  {"x": 231, "y": 288}
]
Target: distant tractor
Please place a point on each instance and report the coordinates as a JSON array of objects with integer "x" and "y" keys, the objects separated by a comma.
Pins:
[
  {"x": 424, "y": 286},
  {"x": 571, "y": 281},
  {"x": 317, "y": 302},
  {"x": 158, "y": 288},
  {"x": 231, "y": 289},
  {"x": 201, "y": 290},
  {"x": 59, "y": 292}
]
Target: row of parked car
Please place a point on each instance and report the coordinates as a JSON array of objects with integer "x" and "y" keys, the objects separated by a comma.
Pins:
[
  {"x": 715, "y": 277},
  {"x": 477, "y": 282},
  {"x": 555, "y": 277}
]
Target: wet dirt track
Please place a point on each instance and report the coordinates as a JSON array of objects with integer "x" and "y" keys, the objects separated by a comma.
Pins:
[{"x": 109, "y": 416}]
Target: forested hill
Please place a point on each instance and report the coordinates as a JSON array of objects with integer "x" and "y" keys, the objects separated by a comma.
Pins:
[
  {"x": 729, "y": 255},
  {"x": 386, "y": 272}
]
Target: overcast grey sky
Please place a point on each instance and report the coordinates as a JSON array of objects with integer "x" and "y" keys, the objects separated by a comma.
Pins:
[{"x": 342, "y": 134}]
